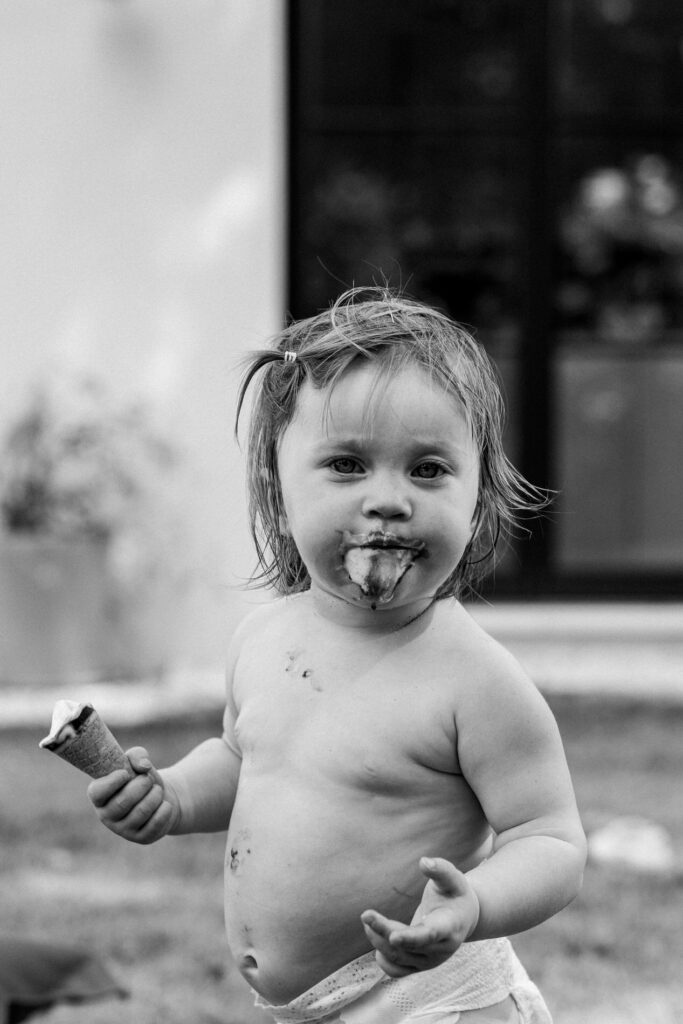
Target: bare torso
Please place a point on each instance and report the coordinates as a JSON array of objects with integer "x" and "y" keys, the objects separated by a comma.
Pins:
[{"x": 349, "y": 775}]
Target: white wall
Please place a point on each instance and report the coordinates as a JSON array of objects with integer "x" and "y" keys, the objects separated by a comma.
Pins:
[{"x": 141, "y": 230}]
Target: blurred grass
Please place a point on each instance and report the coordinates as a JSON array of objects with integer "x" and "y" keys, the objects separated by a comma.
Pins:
[{"x": 155, "y": 913}]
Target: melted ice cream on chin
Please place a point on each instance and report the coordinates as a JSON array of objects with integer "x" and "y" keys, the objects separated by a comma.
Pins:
[{"x": 378, "y": 562}]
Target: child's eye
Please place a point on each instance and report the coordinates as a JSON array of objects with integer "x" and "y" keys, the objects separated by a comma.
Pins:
[
  {"x": 345, "y": 466},
  {"x": 428, "y": 470}
]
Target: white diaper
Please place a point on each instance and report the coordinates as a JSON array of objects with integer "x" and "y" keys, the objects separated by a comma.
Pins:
[{"x": 479, "y": 975}]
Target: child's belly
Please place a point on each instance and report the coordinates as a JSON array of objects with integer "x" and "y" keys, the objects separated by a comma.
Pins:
[{"x": 304, "y": 861}]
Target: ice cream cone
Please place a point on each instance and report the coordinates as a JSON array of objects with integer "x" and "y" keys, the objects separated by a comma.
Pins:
[{"x": 80, "y": 737}]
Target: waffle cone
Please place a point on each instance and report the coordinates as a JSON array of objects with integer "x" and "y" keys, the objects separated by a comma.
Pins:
[{"x": 94, "y": 749}]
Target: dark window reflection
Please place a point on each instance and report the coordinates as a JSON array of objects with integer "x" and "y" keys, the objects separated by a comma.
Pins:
[
  {"x": 621, "y": 236},
  {"x": 619, "y": 369},
  {"x": 416, "y": 53},
  {"x": 430, "y": 214},
  {"x": 619, "y": 57}
]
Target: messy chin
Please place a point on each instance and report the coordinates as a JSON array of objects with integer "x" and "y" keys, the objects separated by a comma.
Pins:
[{"x": 377, "y": 572}]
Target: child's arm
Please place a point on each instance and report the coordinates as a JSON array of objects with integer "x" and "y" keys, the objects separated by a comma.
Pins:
[
  {"x": 194, "y": 795},
  {"x": 511, "y": 754}
]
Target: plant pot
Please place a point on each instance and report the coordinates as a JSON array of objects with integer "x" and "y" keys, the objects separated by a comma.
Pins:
[{"x": 63, "y": 620}]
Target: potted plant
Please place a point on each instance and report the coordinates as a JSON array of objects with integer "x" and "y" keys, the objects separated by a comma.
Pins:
[{"x": 85, "y": 530}]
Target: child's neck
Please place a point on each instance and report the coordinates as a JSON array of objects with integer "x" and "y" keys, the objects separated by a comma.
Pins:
[{"x": 379, "y": 621}]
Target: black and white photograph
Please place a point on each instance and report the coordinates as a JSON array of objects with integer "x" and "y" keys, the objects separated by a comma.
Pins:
[{"x": 341, "y": 511}]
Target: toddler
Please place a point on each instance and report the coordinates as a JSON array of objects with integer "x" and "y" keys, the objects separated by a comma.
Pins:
[{"x": 394, "y": 787}]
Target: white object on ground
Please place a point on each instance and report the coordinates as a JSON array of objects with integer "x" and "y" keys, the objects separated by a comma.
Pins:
[{"x": 633, "y": 842}]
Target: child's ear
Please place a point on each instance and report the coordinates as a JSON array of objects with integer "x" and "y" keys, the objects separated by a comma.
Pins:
[{"x": 284, "y": 527}]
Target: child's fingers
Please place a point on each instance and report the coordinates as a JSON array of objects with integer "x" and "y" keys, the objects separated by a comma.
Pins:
[
  {"x": 440, "y": 923},
  {"x": 398, "y": 967},
  {"x": 382, "y": 926},
  {"x": 382, "y": 933},
  {"x": 100, "y": 791},
  {"x": 129, "y": 796},
  {"x": 395, "y": 934},
  {"x": 142, "y": 810},
  {"x": 445, "y": 876},
  {"x": 402, "y": 950},
  {"x": 416, "y": 938},
  {"x": 149, "y": 820},
  {"x": 141, "y": 763},
  {"x": 437, "y": 930},
  {"x": 157, "y": 825},
  {"x": 378, "y": 929},
  {"x": 395, "y": 960}
]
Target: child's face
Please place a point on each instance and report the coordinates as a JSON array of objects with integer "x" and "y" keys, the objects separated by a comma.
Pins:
[{"x": 392, "y": 473}]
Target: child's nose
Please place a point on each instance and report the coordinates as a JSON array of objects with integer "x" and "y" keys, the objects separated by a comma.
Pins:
[{"x": 386, "y": 498}]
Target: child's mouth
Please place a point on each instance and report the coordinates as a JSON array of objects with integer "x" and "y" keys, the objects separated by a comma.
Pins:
[{"x": 377, "y": 562}]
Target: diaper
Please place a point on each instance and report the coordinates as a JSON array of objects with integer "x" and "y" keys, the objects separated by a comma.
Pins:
[{"x": 479, "y": 975}]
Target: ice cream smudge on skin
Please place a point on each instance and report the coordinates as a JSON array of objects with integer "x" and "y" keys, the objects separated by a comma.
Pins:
[{"x": 377, "y": 562}]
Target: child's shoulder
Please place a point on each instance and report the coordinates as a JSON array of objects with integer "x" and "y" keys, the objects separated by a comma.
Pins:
[
  {"x": 489, "y": 664},
  {"x": 262, "y": 627},
  {"x": 496, "y": 697},
  {"x": 501, "y": 713},
  {"x": 270, "y": 615}
]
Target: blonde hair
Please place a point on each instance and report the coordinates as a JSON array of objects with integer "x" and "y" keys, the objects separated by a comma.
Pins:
[{"x": 392, "y": 331}]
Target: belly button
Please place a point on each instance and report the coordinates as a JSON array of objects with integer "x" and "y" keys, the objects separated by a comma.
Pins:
[{"x": 248, "y": 963}]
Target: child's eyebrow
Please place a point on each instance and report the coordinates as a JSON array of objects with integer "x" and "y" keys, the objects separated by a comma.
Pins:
[
  {"x": 420, "y": 445},
  {"x": 350, "y": 444}
]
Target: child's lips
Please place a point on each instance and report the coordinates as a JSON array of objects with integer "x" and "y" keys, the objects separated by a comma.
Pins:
[{"x": 381, "y": 539}]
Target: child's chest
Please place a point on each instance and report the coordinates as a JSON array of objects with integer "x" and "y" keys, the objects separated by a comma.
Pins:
[{"x": 372, "y": 717}]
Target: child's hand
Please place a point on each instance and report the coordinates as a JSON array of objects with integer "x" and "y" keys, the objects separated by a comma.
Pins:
[
  {"x": 141, "y": 809},
  {"x": 446, "y": 916}
]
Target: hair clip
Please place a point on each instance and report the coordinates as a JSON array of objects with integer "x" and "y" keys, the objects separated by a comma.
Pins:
[{"x": 289, "y": 356}]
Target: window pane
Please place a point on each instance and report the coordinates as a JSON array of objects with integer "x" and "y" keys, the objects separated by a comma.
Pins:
[
  {"x": 429, "y": 214},
  {"x": 620, "y": 454},
  {"x": 415, "y": 53},
  {"x": 432, "y": 213},
  {"x": 620, "y": 57},
  {"x": 619, "y": 361},
  {"x": 621, "y": 242}
]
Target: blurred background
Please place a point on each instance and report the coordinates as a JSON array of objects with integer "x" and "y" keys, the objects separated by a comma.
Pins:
[
  {"x": 143, "y": 203},
  {"x": 176, "y": 178}
]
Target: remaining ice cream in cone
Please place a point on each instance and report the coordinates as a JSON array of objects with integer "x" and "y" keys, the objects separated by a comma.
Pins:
[
  {"x": 79, "y": 736},
  {"x": 378, "y": 562}
]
